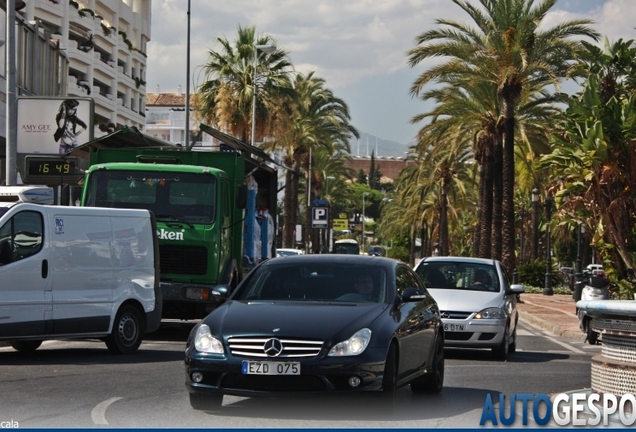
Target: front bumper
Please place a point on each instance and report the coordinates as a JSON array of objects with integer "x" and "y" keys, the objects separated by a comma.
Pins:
[
  {"x": 318, "y": 375},
  {"x": 472, "y": 333},
  {"x": 188, "y": 301}
]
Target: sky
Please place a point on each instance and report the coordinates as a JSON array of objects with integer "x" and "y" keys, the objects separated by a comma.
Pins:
[{"x": 358, "y": 46}]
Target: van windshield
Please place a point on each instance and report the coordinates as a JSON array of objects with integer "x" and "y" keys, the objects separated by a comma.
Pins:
[
  {"x": 186, "y": 197},
  {"x": 347, "y": 248}
]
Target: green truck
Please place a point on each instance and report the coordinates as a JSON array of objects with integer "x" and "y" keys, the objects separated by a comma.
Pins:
[{"x": 215, "y": 215}]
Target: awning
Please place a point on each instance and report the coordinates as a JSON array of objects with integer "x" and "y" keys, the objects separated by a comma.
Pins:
[
  {"x": 126, "y": 137},
  {"x": 241, "y": 146}
]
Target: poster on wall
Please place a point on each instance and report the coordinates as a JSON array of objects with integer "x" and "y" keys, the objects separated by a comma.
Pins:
[{"x": 48, "y": 125}]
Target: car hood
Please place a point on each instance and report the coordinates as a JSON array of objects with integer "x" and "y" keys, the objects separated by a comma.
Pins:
[
  {"x": 465, "y": 300},
  {"x": 319, "y": 320}
]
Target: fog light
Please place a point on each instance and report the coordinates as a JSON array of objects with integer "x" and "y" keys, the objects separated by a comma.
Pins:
[
  {"x": 354, "y": 381},
  {"x": 197, "y": 377}
]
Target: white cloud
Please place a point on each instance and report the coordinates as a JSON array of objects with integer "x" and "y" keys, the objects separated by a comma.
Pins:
[{"x": 355, "y": 45}]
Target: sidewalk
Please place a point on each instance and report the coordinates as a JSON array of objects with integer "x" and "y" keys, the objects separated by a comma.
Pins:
[{"x": 556, "y": 314}]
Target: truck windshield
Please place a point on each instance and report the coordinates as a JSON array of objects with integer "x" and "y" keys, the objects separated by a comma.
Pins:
[{"x": 179, "y": 197}]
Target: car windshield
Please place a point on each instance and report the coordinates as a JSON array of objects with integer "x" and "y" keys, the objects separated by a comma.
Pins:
[
  {"x": 183, "y": 197},
  {"x": 460, "y": 276},
  {"x": 315, "y": 282}
]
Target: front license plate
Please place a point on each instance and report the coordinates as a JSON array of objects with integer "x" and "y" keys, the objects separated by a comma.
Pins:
[
  {"x": 455, "y": 327},
  {"x": 270, "y": 368}
]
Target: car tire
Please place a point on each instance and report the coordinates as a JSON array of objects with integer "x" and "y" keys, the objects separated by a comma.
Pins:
[
  {"x": 432, "y": 382},
  {"x": 128, "y": 331},
  {"x": 592, "y": 336},
  {"x": 26, "y": 346},
  {"x": 389, "y": 380},
  {"x": 205, "y": 402},
  {"x": 501, "y": 352},
  {"x": 512, "y": 348}
]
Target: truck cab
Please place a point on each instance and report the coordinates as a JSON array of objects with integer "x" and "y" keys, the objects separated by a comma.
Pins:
[{"x": 213, "y": 212}]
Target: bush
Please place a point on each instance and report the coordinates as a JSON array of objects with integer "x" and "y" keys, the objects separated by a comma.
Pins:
[{"x": 532, "y": 273}]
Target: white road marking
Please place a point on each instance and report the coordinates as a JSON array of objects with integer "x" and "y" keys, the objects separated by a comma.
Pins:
[{"x": 98, "y": 415}]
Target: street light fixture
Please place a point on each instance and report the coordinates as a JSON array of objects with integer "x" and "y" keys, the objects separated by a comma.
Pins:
[
  {"x": 363, "y": 218},
  {"x": 547, "y": 290},
  {"x": 267, "y": 49}
]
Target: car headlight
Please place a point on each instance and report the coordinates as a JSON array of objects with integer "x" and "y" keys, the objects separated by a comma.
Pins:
[
  {"x": 205, "y": 342},
  {"x": 491, "y": 313},
  {"x": 355, "y": 345}
]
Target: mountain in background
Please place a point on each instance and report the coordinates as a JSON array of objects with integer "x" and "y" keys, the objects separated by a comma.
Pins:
[{"x": 382, "y": 148}]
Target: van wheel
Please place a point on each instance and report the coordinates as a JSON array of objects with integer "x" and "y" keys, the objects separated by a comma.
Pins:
[
  {"x": 128, "y": 330},
  {"x": 26, "y": 346}
]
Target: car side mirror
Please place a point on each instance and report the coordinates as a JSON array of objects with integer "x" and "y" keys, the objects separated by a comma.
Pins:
[
  {"x": 517, "y": 288},
  {"x": 221, "y": 291},
  {"x": 413, "y": 295}
]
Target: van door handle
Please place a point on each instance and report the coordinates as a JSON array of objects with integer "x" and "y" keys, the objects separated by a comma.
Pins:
[{"x": 45, "y": 268}]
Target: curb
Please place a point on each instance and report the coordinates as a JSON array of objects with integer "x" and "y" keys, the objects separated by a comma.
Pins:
[{"x": 554, "y": 329}]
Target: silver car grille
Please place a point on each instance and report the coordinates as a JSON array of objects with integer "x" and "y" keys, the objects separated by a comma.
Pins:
[
  {"x": 291, "y": 348},
  {"x": 455, "y": 314}
]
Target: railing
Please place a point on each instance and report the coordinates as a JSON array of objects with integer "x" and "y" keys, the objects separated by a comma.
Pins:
[{"x": 614, "y": 371}]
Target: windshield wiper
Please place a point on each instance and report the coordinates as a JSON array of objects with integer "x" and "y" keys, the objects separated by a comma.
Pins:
[{"x": 173, "y": 218}]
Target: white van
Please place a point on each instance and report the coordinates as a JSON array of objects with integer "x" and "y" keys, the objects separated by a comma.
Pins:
[
  {"x": 78, "y": 272},
  {"x": 11, "y": 195}
]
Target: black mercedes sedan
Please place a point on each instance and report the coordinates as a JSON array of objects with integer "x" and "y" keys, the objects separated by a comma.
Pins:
[{"x": 315, "y": 324}]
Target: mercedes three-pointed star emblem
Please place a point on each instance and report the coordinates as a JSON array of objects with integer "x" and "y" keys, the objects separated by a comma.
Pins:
[{"x": 273, "y": 347}]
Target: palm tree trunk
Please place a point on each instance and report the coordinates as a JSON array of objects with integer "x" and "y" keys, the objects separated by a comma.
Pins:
[
  {"x": 508, "y": 210},
  {"x": 497, "y": 198},
  {"x": 289, "y": 225},
  {"x": 443, "y": 221}
]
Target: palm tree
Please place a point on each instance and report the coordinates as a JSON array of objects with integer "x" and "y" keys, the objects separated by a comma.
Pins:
[
  {"x": 507, "y": 49},
  {"x": 316, "y": 119},
  {"x": 594, "y": 153},
  {"x": 225, "y": 98}
]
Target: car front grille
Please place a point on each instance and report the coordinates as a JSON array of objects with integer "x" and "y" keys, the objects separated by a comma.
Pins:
[
  {"x": 291, "y": 348},
  {"x": 186, "y": 260},
  {"x": 455, "y": 314},
  {"x": 457, "y": 336},
  {"x": 296, "y": 383}
]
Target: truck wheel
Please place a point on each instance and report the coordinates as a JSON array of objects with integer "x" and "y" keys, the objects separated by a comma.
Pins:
[
  {"x": 128, "y": 330},
  {"x": 592, "y": 336},
  {"x": 26, "y": 346}
]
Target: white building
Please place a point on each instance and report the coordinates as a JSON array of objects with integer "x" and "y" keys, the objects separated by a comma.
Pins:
[
  {"x": 165, "y": 119},
  {"x": 105, "y": 44}
]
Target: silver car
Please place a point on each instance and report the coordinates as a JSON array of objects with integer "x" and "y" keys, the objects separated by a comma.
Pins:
[{"x": 477, "y": 303}]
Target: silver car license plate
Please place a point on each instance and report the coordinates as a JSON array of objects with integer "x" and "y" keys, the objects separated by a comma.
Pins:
[
  {"x": 455, "y": 327},
  {"x": 270, "y": 368}
]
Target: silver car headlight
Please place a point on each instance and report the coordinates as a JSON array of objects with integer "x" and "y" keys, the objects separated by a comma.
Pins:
[
  {"x": 205, "y": 342},
  {"x": 355, "y": 345},
  {"x": 491, "y": 313}
]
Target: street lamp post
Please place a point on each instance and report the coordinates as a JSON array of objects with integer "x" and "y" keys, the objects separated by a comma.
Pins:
[
  {"x": 363, "y": 217},
  {"x": 535, "y": 223},
  {"x": 329, "y": 230},
  {"x": 548, "y": 258},
  {"x": 579, "y": 253},
  {"x": 268, "y": 49}
]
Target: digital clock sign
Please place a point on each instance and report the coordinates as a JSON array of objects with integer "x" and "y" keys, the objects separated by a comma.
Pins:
[
  {"x": 44, "y": 167},
  {"x": 51, "y": 170}
]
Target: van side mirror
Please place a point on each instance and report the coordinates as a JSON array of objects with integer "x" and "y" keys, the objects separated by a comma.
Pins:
[{"x": 241, "y": 197}]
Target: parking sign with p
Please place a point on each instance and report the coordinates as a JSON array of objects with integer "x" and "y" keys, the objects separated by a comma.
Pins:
[{"x": 320, "y": 217}]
